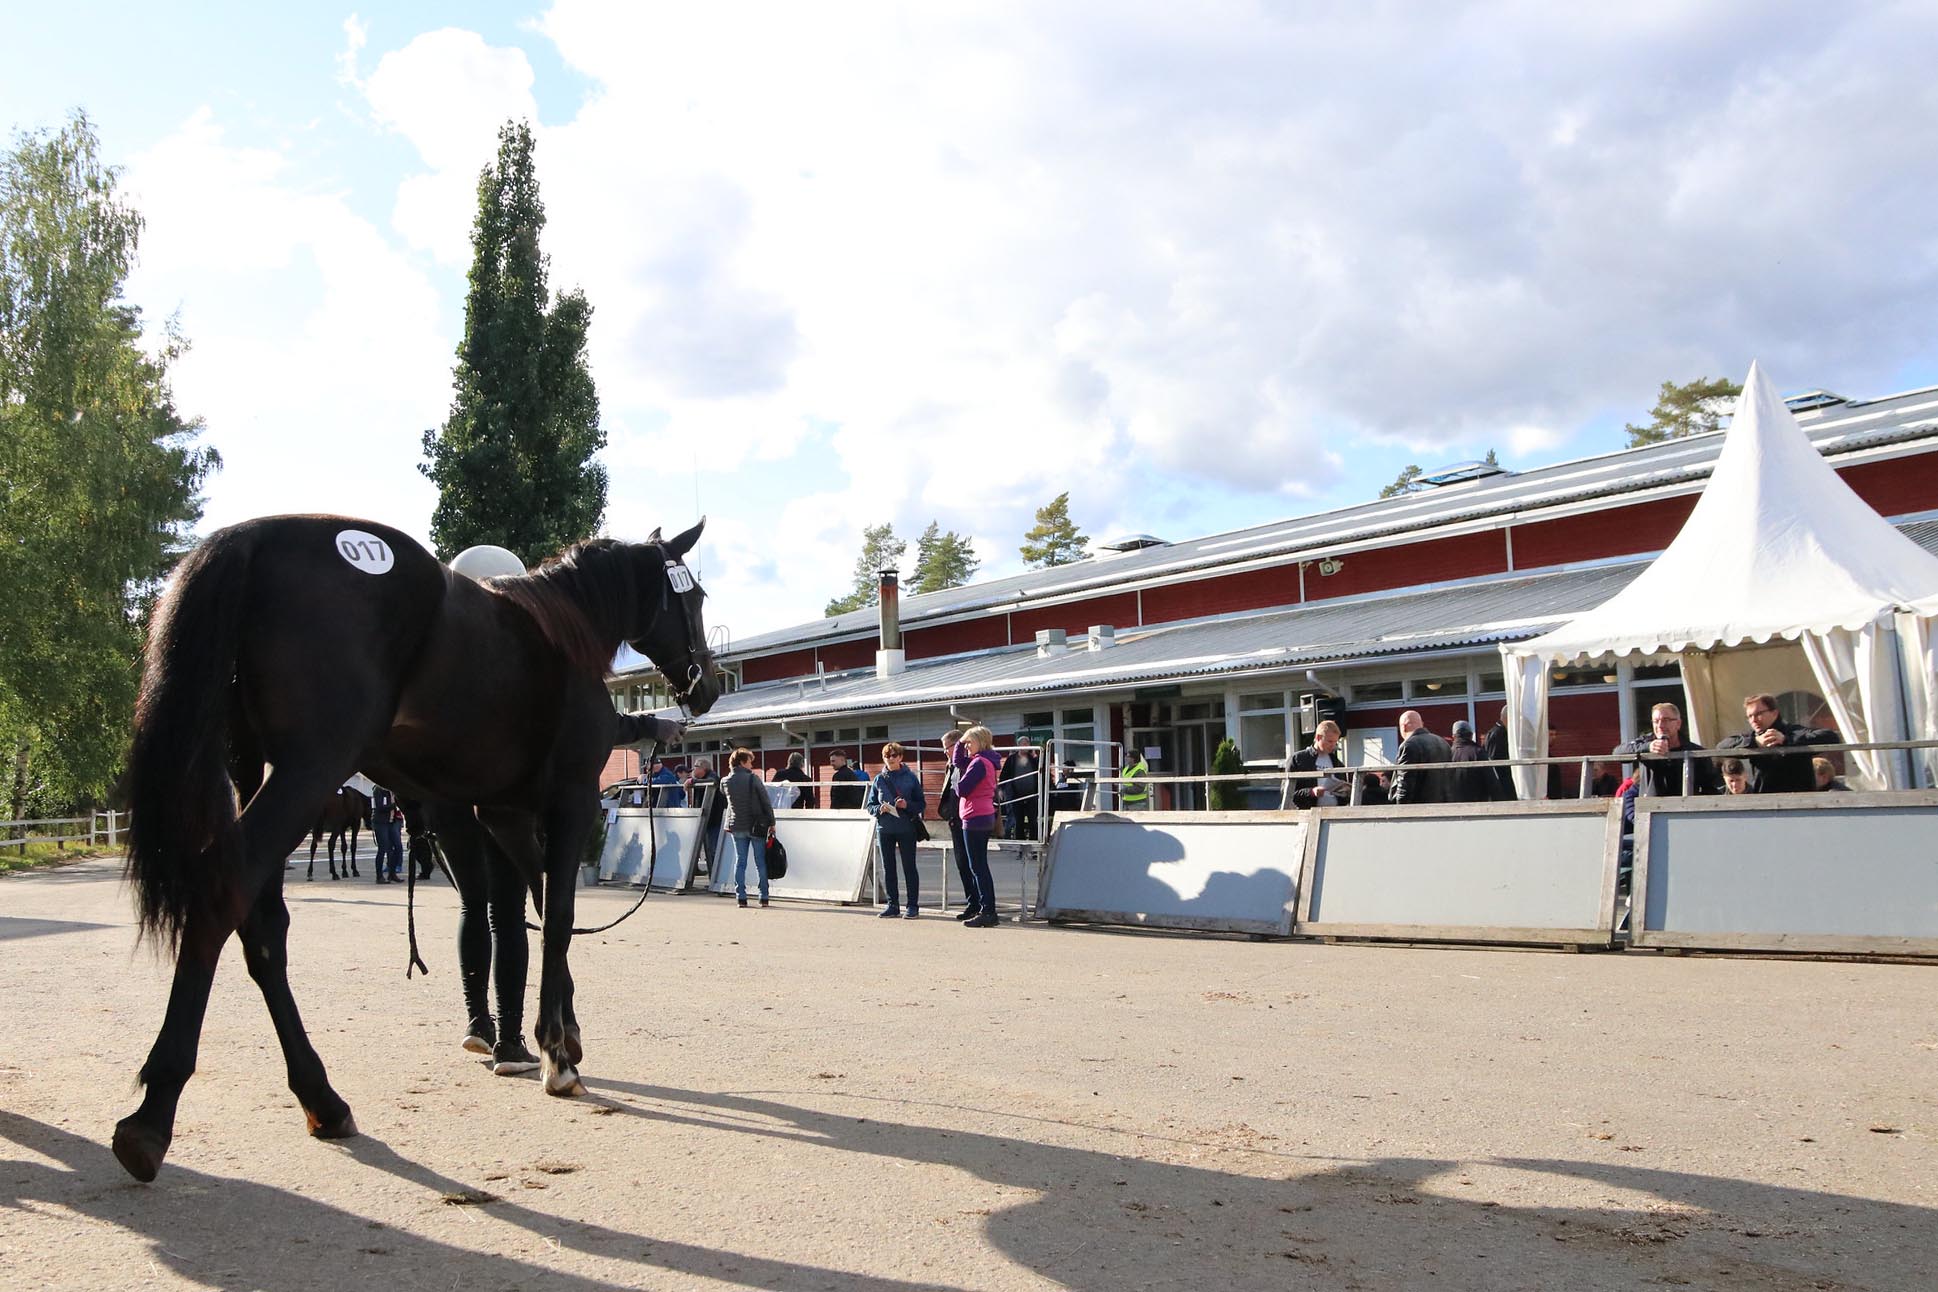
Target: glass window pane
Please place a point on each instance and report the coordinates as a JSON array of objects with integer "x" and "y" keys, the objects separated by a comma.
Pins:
[
  {"x": 1375, "y": 692},
  {"x": 1493, "y": 683},
  {"x": 1084, "y": 716},
  {"x": 1261, "y": 700},
  {"x": 1262, "y": 736},
  {"x": 1440, "y": 688},
  {"x": 1043, "y": 719},
  {"x": 1651, "y": 672}
]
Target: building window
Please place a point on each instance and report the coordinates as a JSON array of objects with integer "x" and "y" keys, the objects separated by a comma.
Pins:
[
  {"x": 1562, "y": 679},
  {"x": 1447, "y": 687},
  {"x": 1376, "y": 692},
  {"x": 878, "y": 733},
  {"x": 1493, "y": 684},
  {"x": 1262, "y": 737}
]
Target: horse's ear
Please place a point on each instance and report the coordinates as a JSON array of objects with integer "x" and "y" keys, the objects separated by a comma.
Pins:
[
  {"x": 683, "y": 544},
  {"x": 654, "y": 536}
]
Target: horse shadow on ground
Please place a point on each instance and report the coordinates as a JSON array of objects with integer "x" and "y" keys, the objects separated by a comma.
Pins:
[{"x": 1079, "y": 1217}]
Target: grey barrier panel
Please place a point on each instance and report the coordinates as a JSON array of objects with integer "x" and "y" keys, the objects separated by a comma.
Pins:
[
  {"x": 1228, "y": 871},
  {"x": 828, "y": 853},
  {"x": 1831, "y": 872},
  {"x": 676, "y": 831},
  {"x": 1463, "y": 872}
]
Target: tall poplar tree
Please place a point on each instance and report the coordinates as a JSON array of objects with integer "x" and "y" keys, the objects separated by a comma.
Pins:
[
  {"x": 99, "y": 477},
  {"x": 513, "y": 462}
]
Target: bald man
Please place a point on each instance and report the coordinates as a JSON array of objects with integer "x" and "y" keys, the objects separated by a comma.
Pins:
[{"x": 1418, "y": 745}]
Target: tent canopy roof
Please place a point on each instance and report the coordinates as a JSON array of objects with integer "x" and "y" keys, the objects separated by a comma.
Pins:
[{"x": 1777, "y": 545}]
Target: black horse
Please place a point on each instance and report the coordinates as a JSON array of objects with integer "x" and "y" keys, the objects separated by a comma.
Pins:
[
  {"x": 344, "y": 812},
  {"x": 292, "y": 651}
]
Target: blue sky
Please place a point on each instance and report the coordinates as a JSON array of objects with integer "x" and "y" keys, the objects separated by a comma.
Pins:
[{"x": 1201, "y": 266}]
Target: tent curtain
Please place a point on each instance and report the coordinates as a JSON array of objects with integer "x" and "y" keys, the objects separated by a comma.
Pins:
[
  {"x": 1527, "y": 708},
  {"x": 1918, "y": 651},
  {"x": 1699, "y": 696},
  {"x": 1858, "y": 674}
]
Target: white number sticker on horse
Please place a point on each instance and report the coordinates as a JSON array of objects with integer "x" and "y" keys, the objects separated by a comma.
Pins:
[
  {"x": 680, "y": 576},
  {"x": 365, "y": 551}
]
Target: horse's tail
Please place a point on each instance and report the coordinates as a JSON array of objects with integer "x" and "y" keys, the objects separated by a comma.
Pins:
[{"x": 185, "y": 841}]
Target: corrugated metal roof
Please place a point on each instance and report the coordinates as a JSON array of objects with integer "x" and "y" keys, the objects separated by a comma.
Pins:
[
  {"x": 1835, "y": 430},
  {"x": 1502, "y": 609},
  {"x": 1473, "y": 613}
]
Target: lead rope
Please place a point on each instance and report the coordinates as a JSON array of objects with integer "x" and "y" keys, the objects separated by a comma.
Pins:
[{"x": 652, "y": 860}]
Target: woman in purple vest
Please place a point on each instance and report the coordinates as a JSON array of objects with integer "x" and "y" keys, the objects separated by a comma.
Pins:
[{"x": 977, "y": 772}]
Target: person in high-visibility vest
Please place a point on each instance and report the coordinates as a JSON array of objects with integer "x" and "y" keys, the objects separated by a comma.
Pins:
[{"x": 1135, "y": 792}]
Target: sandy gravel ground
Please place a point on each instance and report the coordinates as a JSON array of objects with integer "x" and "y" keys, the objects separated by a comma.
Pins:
[{"x": 810, "y": 1098}]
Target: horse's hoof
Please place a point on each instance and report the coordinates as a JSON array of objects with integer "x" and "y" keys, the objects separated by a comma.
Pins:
[
  {"x": 562, "y": 1081},
  {"x": 342, "y": 1126},
  {"x": 139, "y": 1148}
]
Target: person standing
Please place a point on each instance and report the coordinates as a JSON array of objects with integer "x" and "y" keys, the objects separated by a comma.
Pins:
[
  {"x": 750, "y": 815},
  {"x": 796, "y": 773},
  {"x": 949, "y": 809},
  {"x": 1134, "y": 792},
  {"x": 1784, "y": 773},
  {"x": 1419, "y": 746},
  {"x": 1468, "y": 784},
  {"x": 1319, "y": 756},
  {"x": 386, "y": 823},
  {"x": 1659, "y": 774},
  {"x": 850, "y": 787},
  {"x": 895, "y": 801},
  {"x": 1493, "y": 749},
  {"x": 977, "y": 772},
  {"x": 667, "y": 792},
  {"x": 1020, "y": 789},
  {"x": 697, "y": 786}
]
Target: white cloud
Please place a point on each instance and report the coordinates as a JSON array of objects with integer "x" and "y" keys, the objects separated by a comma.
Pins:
[{"x": 317, "y": 355}]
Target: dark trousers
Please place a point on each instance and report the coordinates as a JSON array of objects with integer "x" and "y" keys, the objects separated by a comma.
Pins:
[
  {"x": 390, "y": 847},
  {"x": 491, "y": 919},
  {"x": 984, "y": 895},
  {"x": 960, "y": 851},
  {"x": 888, "y": 845}
]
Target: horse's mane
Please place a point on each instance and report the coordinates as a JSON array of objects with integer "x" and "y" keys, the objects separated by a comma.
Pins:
[{"x": 585, "y": 601}]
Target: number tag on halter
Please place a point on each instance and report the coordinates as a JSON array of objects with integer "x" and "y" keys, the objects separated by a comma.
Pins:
[
  {"x": 365, "y": 551},
  {"x": 679, "y": 576}
]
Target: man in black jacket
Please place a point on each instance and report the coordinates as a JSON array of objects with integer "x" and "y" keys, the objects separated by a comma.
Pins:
[
  {"x": 1495, "y": 748},
  {"x": 1469, "y": 784},
  {"x": 1319, "y": 756},
  {"x": 1418, "y": 745},
  {"x": 1787, "y": 773},
  {"x": 850, "y": 787},
  {"x": 1656, "y": 773}
]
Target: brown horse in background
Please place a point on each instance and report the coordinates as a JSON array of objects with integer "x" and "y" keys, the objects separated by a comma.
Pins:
[
  {"x": 292, "y": 651},
  {"x": 344, "y": 812}
]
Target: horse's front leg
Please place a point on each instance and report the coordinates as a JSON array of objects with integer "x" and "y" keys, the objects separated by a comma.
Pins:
[{"x": 558, "y": 1030}]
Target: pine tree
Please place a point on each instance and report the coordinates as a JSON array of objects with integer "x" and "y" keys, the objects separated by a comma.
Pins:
[
  {"x": 880, "y": 550},
  {"x": 1682, "y": 411},
  {"x": 513, "y": 462},
  {"x": 1054, "y": 539},
  {"x": 99, "y": 477},
  {"x": 1402, "y": 483},
  {"x": 943, "y": 559}
]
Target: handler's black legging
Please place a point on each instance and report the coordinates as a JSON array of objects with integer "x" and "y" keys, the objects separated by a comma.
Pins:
[{"x": 491, "y": 920}]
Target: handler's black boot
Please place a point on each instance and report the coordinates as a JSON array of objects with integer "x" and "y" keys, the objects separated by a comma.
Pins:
[
  {"x": 510, "y": 1058},
  {"x": 481, "y": 1037}
]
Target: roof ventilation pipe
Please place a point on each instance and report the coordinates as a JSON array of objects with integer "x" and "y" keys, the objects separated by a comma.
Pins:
[
  {"x": 1051, "y": 641},
  {"x": 1102, "y": 637},
  {"x": 890, "y": 659}
]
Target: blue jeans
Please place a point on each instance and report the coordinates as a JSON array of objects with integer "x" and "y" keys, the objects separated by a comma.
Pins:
[
  {"x": 963, "y": 870},
  {"x": 888, "y": 845},
  {"x": 984, "y": 896},
  {"x": 742, "y": 844},
  {"x": 390, "y": 847}
]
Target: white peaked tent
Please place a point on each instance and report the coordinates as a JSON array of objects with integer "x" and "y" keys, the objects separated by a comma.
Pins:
[{"x": 1782, "y": 579}]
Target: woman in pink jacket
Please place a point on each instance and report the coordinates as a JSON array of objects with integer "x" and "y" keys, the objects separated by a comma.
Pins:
[{"x": 976, "y": 774}]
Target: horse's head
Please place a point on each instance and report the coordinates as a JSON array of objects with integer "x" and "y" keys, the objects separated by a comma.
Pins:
[{"x": 674, "y": 636}]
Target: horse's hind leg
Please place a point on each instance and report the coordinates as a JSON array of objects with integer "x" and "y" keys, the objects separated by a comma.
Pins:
[
  {"x": 141, "y": 1139},
  {"x": 265, "y": 948}
]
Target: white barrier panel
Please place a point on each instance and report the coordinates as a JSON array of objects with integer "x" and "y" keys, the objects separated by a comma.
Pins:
[
  {"x": 676, "y": 831},
  {"x": 1789, "y": 872},
  {"x": 1229, "y": 871},
  {"x": 1463, "y": 872},
  {"x": 828, "y": 852}
]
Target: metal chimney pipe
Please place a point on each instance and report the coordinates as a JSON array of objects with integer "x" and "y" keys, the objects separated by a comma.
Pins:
[{"x": 890, "y": 659}]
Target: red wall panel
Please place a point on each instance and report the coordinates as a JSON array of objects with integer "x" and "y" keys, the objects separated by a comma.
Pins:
[
  {"x": 1619, "y": 531},
  {"x": 1221, "y": 594},
  {"x": 843, "y": 655},
  {"x": 768, "y": 668},
  {"x": 1464, "y": 556},
  {"x": 1118, "y": 610},
  {"x": 1896, "y": 487},
  {"x": 981, "y": 633}
]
